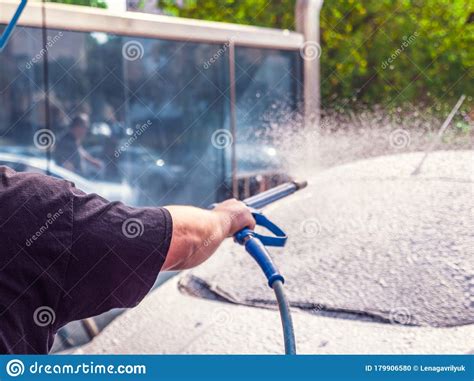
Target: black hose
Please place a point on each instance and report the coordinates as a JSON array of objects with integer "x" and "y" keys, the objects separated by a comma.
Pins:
[{"x": 286, "y": 321}]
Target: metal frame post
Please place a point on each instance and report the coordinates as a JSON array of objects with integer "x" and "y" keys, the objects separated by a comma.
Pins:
[
  {"x": 307, "y": 23},
  {"x": 233, "y": 118}
]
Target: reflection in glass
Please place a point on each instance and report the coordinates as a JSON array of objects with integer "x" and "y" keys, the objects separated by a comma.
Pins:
[
  {"x": 268, "y": 90},
  {"x": 22, "y": 106},
  {"x": 268, "y": 83},
  {"x": 134, "y": 119},
  {"x": 184, "y": 100}
]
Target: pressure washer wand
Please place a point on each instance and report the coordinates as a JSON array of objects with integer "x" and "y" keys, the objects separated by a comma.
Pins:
[
  {"x": 281, "y": 191},
  {"x": 255, "y": 244}
]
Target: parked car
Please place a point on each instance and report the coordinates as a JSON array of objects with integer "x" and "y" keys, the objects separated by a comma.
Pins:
[
  {"x": 28, "y": 163},
  {"x": 372, "y": 267},
  {"x": 150, "y": 174}
]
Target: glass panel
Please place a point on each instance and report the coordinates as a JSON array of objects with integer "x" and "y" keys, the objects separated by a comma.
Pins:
[
  {"x": 22, "y": 101},
  {"x": 179, "y": 90},
  {"x": 268, "y": 89},
  {"x": 86, "y": 85},
  {"x": 135, "y": 119}
]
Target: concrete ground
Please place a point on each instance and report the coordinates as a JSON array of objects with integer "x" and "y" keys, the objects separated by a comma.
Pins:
[{"x": 379, "y": 261}]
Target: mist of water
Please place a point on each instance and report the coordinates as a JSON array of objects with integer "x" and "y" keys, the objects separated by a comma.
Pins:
[{"x": 344, "y": 136}]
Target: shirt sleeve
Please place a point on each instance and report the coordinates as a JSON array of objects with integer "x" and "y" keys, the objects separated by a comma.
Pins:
[{"x": 116, "y": 254}]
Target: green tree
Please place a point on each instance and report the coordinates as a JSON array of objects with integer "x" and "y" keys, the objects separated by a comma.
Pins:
[
  {"x": 275, "y": 13},
  {"x": 385, "y": 51},
  {"x": 397, "y": 51},
  {"x": 89, "y": 3}
]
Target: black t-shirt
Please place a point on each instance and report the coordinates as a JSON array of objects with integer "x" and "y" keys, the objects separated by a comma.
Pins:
[{"x": 66, "y": 255}]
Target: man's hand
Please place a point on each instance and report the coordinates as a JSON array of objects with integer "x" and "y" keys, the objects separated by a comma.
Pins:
[
  {"x": 197, "y": 233},
  {"x": 235, "y": 216}
]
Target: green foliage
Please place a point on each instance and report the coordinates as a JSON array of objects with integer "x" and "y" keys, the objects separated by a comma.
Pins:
[
  {"x": 374, "y": 51},
  {"x": 89, "y": 3},
  {"x": 274, "y": 13},
  {"x": 397, "y": 51}
]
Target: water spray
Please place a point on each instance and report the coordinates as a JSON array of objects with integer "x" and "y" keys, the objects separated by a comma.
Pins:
[{"x": 439, "y": 136}]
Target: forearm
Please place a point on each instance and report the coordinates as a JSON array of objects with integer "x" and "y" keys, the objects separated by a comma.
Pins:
[
  {"x": 197, "y": 233},
  {"x": 88, "y": 157}
]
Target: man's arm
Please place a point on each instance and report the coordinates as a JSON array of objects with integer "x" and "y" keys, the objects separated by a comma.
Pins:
[
  {"x": 197, "y": 233},
  {"x": 88, "y": 157},
  {"x": 117, "y": 251},
  {"x": 68, "y": 165}
]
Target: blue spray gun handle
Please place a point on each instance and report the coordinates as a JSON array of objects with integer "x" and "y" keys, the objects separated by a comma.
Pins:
[{"x": 255, "y": 245}]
